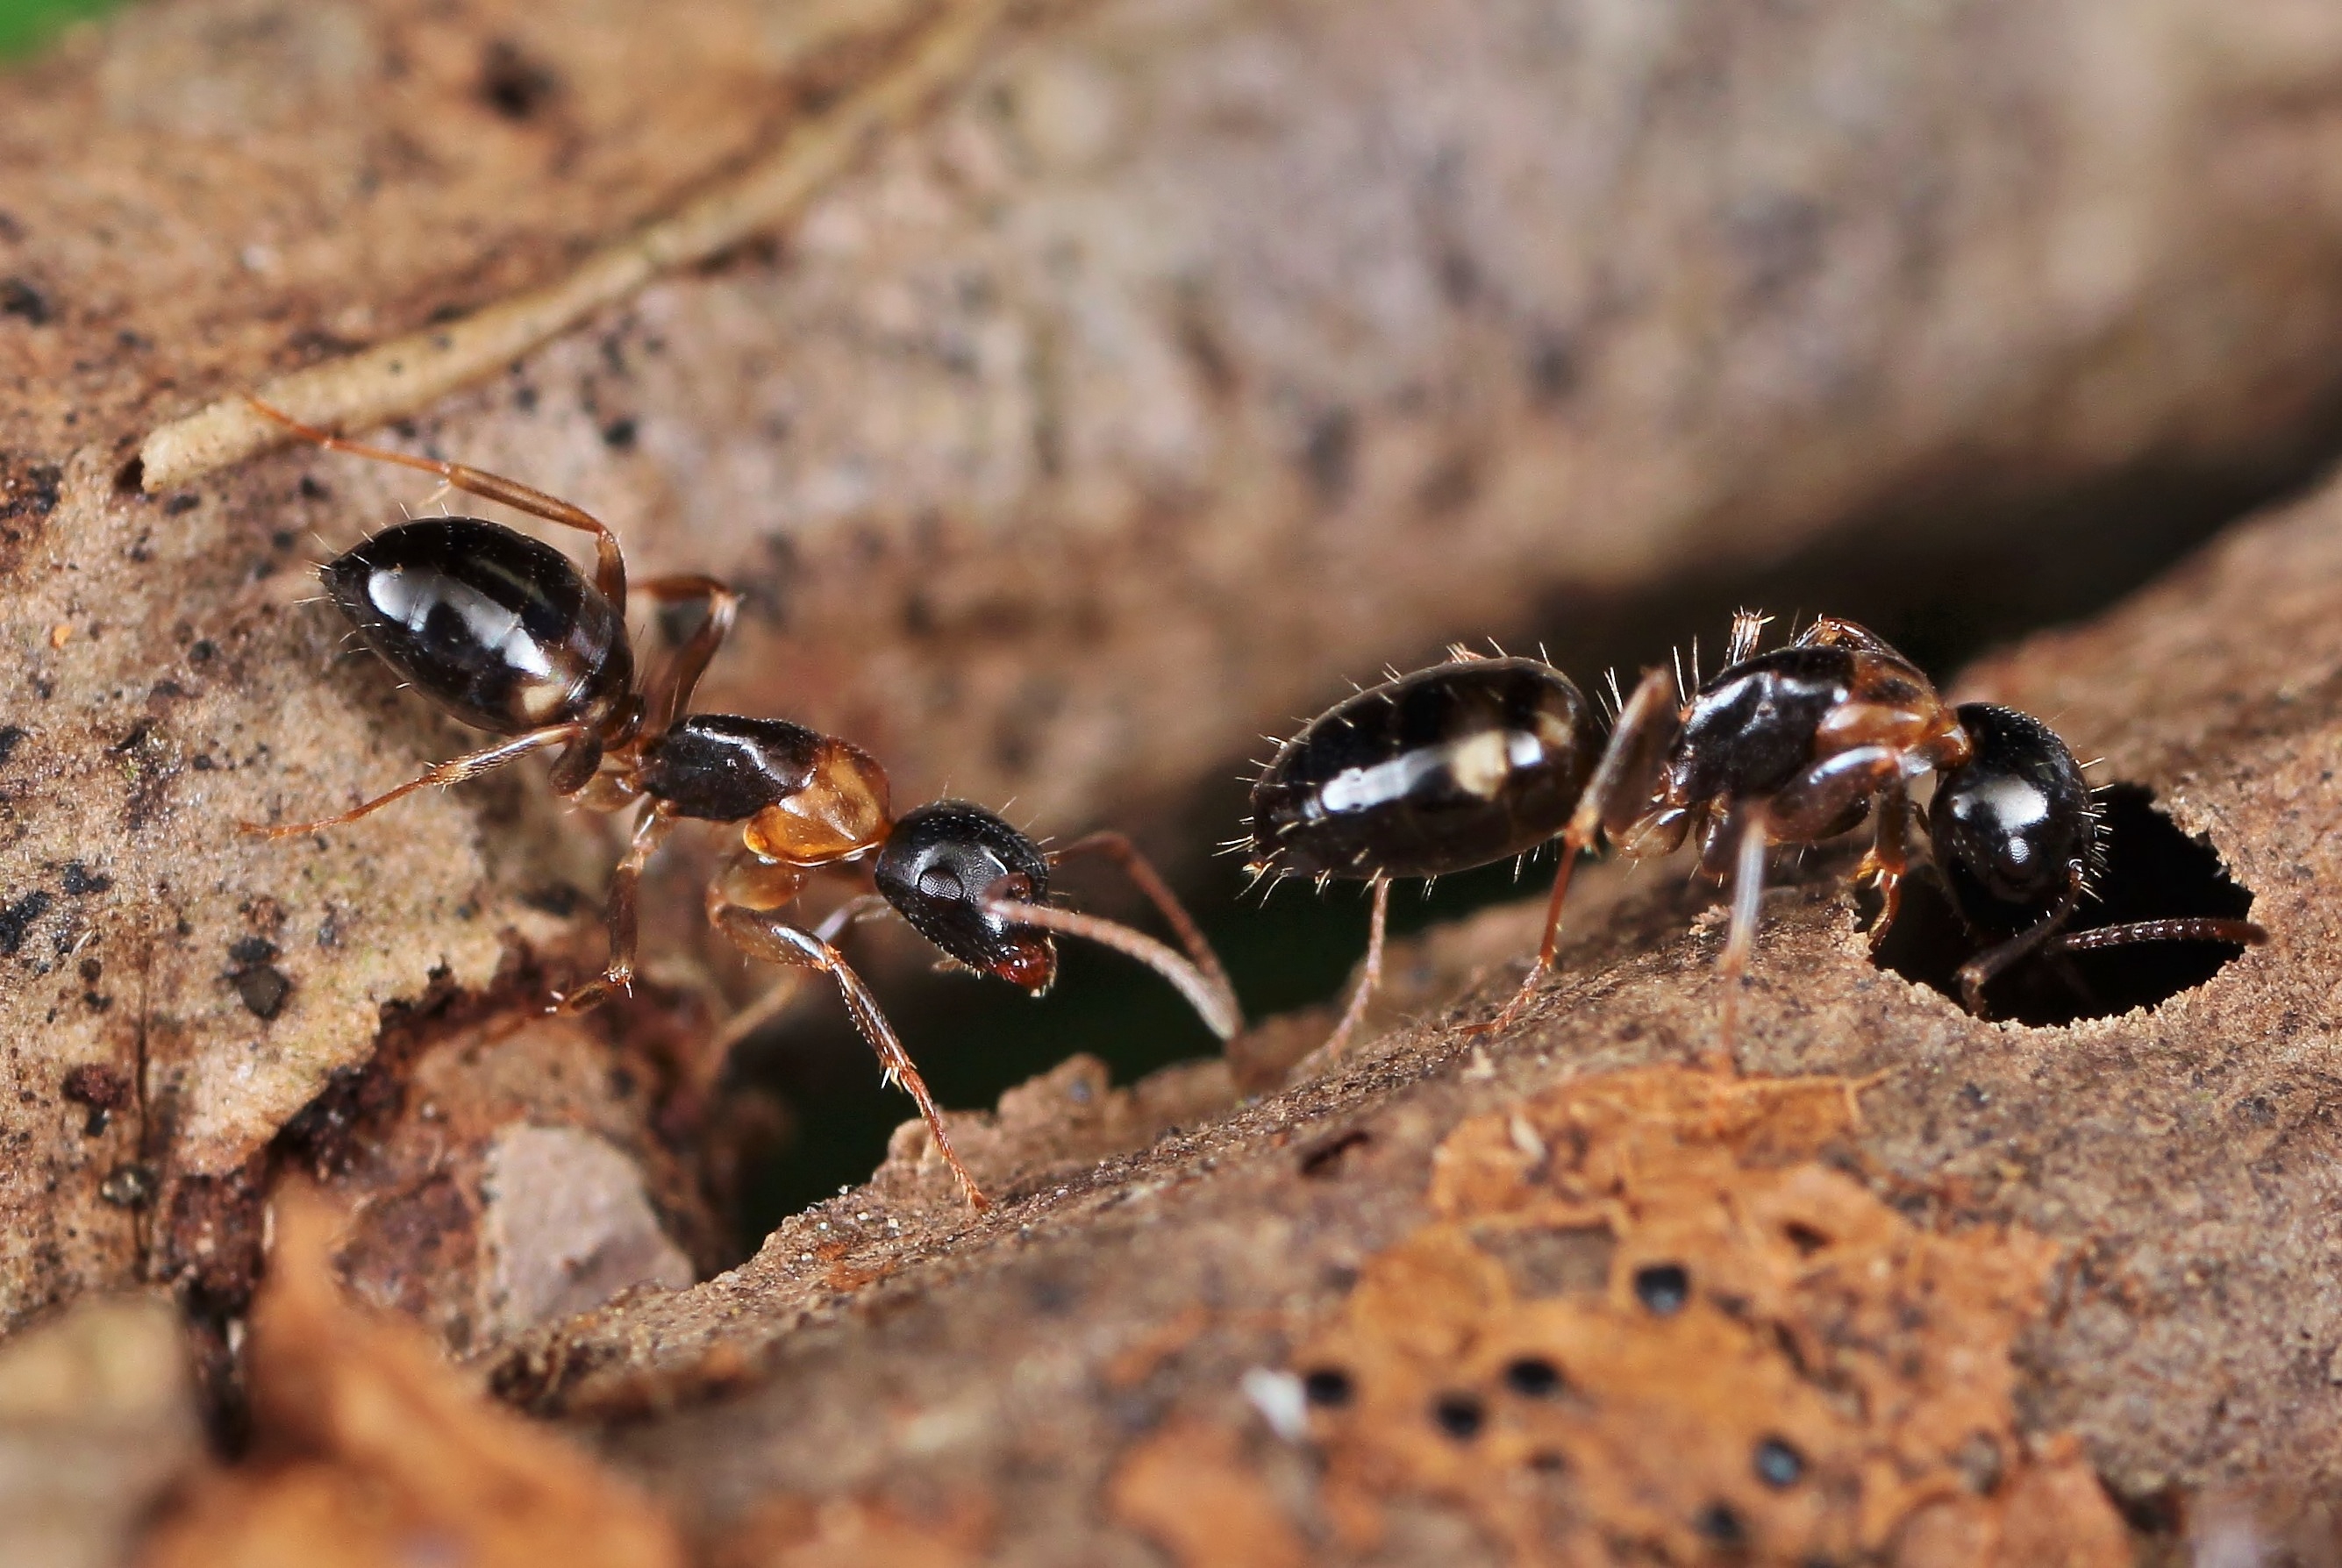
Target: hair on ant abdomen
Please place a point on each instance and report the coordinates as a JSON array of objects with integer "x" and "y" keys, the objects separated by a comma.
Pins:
[
  {"x": 506, "y": 636},
  {"x": 1477, "y": 760}
]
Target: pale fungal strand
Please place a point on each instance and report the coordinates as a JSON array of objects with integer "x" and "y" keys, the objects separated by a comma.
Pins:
[{"x": 394, "y": 379}]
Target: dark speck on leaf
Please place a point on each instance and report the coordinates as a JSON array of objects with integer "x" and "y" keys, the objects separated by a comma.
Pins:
[
  {"x": 1663, "y": 1288},
  {"x": 618, "y": 435},
  {"x": 179, "y": 505},
  {"x": 9, "y": 735},
  {"x": 80, "y": 880},
  {"x": 98, "y": 1086},
  {"x": 264, "y": 990},
  {"x": 21, "y": 299},
  {"x": 251, "y": 950},
  {"x": 34, "y": 494},
  {"x": 128, "y": 1187},
  {"x": 1721, "y": 1524},
  {"x": 17, "y": 918},
  {"x": 512, "y": 84},
  {"x": 1330, "y": 453}
]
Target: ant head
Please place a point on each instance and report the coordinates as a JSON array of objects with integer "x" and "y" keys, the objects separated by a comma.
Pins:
[
  {"x": 2014, "y": 827},
  {"x": 942, "y": 863}
]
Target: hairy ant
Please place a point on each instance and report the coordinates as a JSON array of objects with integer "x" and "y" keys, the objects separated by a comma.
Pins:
[
  {"x": 1480, "y": 759},
  {"x": 506, "y": 636}
]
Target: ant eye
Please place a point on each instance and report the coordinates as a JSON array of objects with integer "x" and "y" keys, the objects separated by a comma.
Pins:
[{"x": 942, "y": 883}]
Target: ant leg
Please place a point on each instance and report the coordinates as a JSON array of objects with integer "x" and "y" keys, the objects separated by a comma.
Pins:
[
  {"x": 626, "y": 878},
  {"x": 1816, "y": 804},
  {"x": 1888, "y": 857},
  {"x": 1202, "y": 981},
  {"x": 1372, "y": 977},
  {"x": 610, "y": 562},
  {"x": 1619, "y": 791},
  {"x": 663, "y": 706},
  {"x": 1977, "y": 972},
  {"x": 777, "y": 997},
  {"x": 441, "y": 775},
  {"x": 1748, "y": 908},
  {"x": 763, "y": 933}
]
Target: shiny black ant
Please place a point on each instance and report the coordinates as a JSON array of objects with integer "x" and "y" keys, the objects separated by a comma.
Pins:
[
  {"x": 1481, "y": 759},
  {"x": 506, "y": 636}
]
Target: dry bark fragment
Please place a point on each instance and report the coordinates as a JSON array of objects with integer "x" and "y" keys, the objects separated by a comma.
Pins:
[
  {"x": 97, "y": 1420},
  {"x": 1772, "y": 1360},
  {"x": 367, "y": 1450}
]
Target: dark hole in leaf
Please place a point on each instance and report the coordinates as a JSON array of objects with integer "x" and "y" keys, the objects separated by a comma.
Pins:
[
  {"x": 512, "y": 84},
  {"x": 1459, "y": 1415},
  {"x": 1779, "y": 1465},
  {"x": 2152, "y": 872},
  {"x": 1533, "y": 1376},
  {"x": 1328, "y": 1386},
  {"x": 1664, "y": 1288}
]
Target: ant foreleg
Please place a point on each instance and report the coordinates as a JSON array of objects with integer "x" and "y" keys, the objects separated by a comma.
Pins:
[
  {"x": 774, "y": 999},
  {"x": 763, "y": 933},
  {"x": 1977, "y": 972},
  {"x": 610, "y": 561},
  {"x": 440, "y": 775}
]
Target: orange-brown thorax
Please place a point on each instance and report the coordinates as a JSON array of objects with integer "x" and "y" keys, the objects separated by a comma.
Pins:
[{"x": 841, "y": 811}]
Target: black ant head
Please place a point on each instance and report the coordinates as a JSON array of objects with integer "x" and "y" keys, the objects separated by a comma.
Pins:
[
  {"x": 940, "y": 865},
  {"x": 2014, "y": 827}
]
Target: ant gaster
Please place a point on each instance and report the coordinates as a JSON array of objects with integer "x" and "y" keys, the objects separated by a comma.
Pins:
[
  {"x": 506, "y": 636},
  {"x": 1482, "y": 759}
]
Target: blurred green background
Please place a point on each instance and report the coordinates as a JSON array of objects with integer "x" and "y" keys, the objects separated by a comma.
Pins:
[{"x": 26, "y": 24}]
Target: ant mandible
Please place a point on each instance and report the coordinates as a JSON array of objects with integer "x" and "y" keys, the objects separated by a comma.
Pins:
[
  {"x": 1479, "y": 759},
  {"x": 506, "y": 636}
]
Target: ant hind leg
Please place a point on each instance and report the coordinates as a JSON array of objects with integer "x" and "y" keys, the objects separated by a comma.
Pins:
[
  {"x": 441, "y": 775},
  {"x": 1368, "y": 980},
  {"x": 1617, "y": 795},
  {"x": 671, "y": 698},
  {"x": 610, "y": 561}
]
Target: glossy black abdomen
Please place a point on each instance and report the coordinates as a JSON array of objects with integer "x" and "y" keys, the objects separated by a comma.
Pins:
[
  {"x": 497, "y": 628},
  {"x": 1434, "y": 773},
  {"x": 1753, "y": 728}
]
